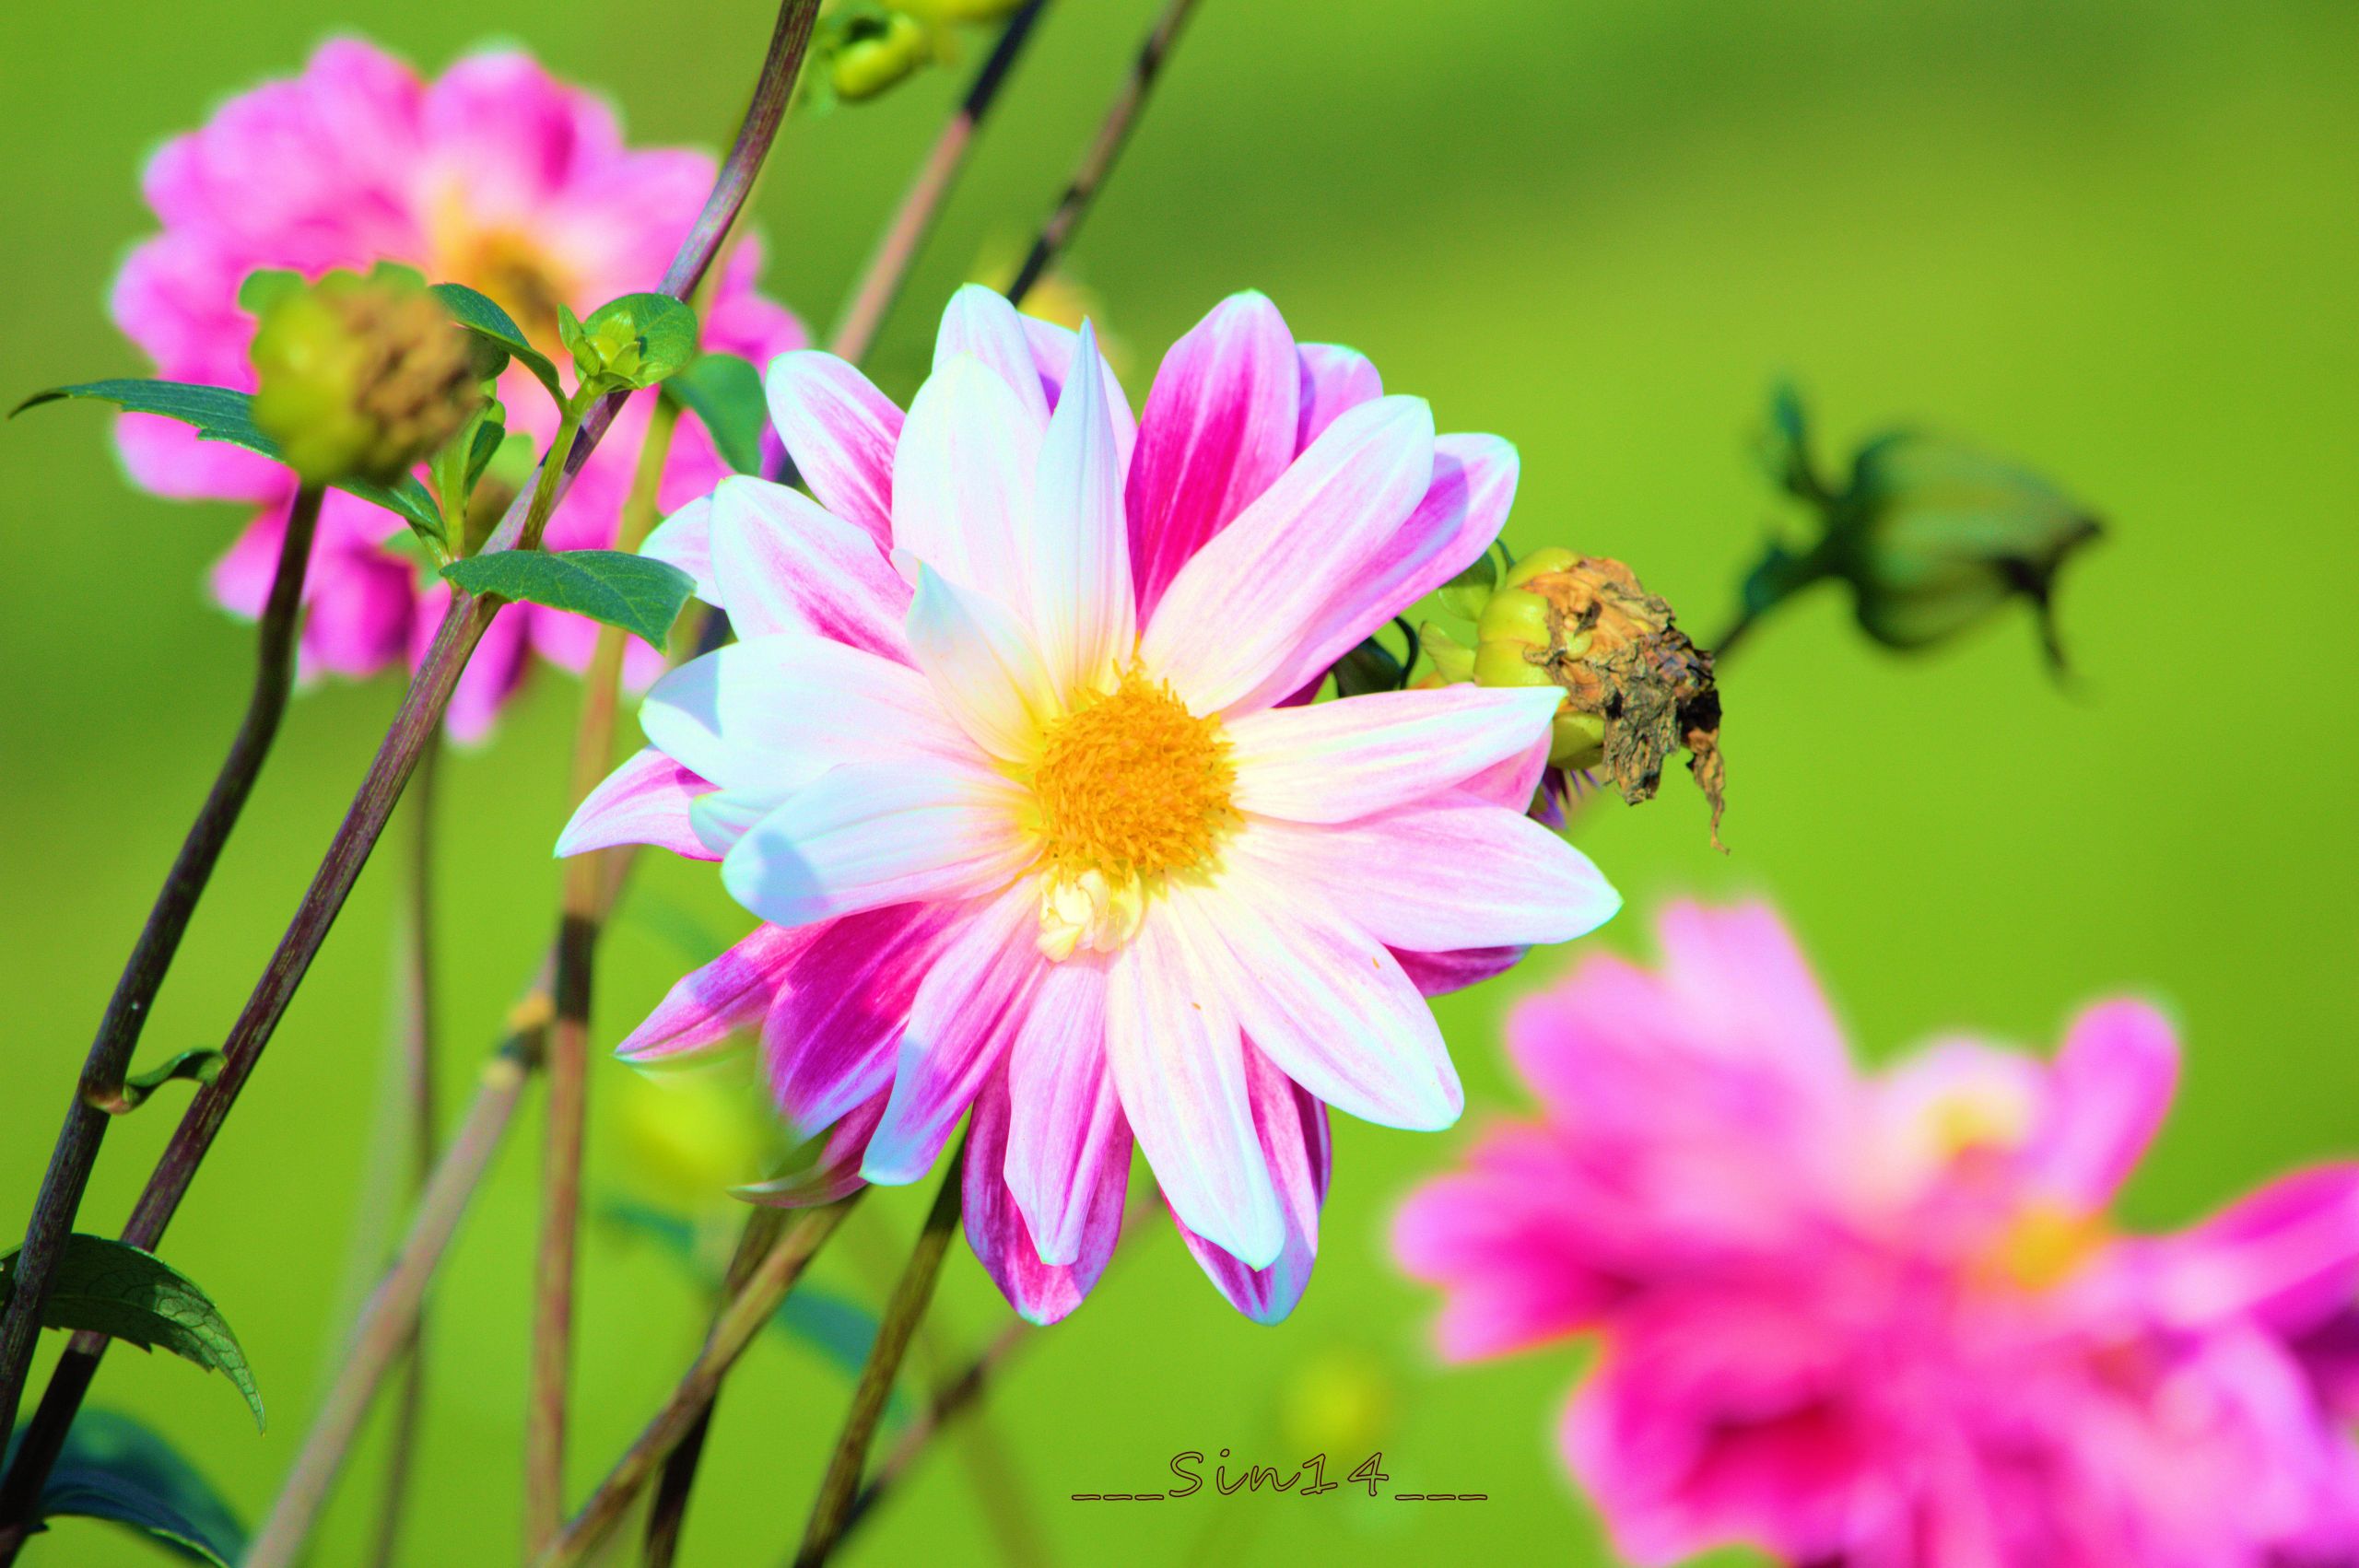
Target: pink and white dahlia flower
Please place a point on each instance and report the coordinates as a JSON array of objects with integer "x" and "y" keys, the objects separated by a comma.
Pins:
[
  {"x": 496, "y": 176},
  {"x": 1883, "y": 1322},
  {"x": 1003, "y": 758}
]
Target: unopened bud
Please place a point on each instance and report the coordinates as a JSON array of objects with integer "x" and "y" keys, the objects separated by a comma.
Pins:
[
  {"x": 872, "y": 53},
  {"x": 361, "y": 378},
  {"x": 966, "y": 10}
]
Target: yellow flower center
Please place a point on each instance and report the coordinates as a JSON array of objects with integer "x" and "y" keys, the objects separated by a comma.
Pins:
[
  {"x": 511, "y": 266},
  {"x": 2046, "y": 1244},
  {"x": 1129, "y": 788}
]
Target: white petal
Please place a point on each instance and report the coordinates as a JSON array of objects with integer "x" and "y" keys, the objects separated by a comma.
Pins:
[
  {"x": 1334, "y": 761},
  {"x": 962, "y": 481},
  {"x": 784, "y": 564},
  {"x": 871, "y": 834},
  {"x": 982, "y": 665},
  {"x": 775, "y": 712},
  {"x": 1178, "y": 1064},
  {"x": 979, "y": 324},
  {"x": 840, "y": 432},
  {"x": 684, "y": 540},
  {"x": 1081, "y": 553}
]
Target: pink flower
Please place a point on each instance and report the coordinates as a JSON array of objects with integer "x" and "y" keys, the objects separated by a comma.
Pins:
[
  {"x": 1883, "y": 1321},
  {"x": 1005, "y": 759},
  {"x": 496, "y": 176}
]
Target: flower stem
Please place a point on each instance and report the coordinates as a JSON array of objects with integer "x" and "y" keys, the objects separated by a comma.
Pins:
[
  {"x": 104, "y": 1071},
  {"x": 911, "y": 1294},
  {"x": 949, "y": 1403},
  {"x": 897, "y": 247},
  {"x": 422, "y": 708},
  {"x": 1098, "y": 161},
  {"x": 420, "y": 1099},
  {"x": 732, "y": 1331},
  {"x": 579, "y": 925},
  {"x": 388, "y": 1324}
]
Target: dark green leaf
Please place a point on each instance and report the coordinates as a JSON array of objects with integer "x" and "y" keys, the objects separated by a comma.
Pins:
[
  {"x": 481, "y": 315},
  {"x": 726, "y": 393},
  {"x": 198, "y": 1066},
  {"x": 220, "y": 415},
  {"x": 485, "y": 446},
  {"x": 112, "y": 1467},
  {"x": 640, "y": 595},
  {"x": 114, "y": 1287},
  {"x": 1368, "y": 668}
]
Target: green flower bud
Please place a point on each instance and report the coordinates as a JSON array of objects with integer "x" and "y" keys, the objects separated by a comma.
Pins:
[
  {"x": 874, "y": 52},
  {"x": 964, "y": 10},
  {"x": 359, "y": 377},
  {"x": 1932, "y": 535}
]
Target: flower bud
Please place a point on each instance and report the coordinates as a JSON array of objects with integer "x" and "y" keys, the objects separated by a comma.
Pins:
[
  {"x": 1932, "y": 535},
  {"x": 361, "y": 378},
  {"x": 874, "y": 51},
  {"x": 966, "y": 10}
]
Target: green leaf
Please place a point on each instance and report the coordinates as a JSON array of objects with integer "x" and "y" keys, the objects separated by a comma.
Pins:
[
  {"x": 112, "y": 1467},
  {"x": 199, "y": 1066},
  {"x": 725, "y": 392},
  {"x": 218, "y": 413},
  {"x": 1465, "y": 594},
  {"x": 640, "y": 595},
  {"x": 116, "y": 1289},
  {"x": 1371, "y": 667},
  {"x": 481, "y": 315},
  {"x": 639, "y": 339}
]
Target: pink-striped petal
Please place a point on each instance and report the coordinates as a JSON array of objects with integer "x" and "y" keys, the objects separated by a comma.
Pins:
[
  {"x": 841, "y": 432},
  {"x": 1334, "y": 378},
  {"x": 782, "y": 563},
  {"x": 1440, "y": 877},
  {"x": 684, "y": 540},
  {"x": 1178, "y": 1067},
  {"x": 1231, "y": 623},
  {"x": 1322, "y": 999},
  {"x": 733, "y": 992},
  {"x": 872, "y": 833},
  {"x": 1459, "y": 515},
  {"x": 1335, "y": 761},
  {"x": 829, "y": 1037},
  {"x": 1219, "y": 427},
  {"x": 1068, "y": 1120},
  {"x": 1081, "y": 569},
  {"x": 1439, "y": 974},
  {"x": 1040, "y": 1292},
  {"x": 1292, "y": 1125},
  {"x": 645, "y": 800},
  {"x": 1514, "y": 783},
  {"x": 2288, "y": 1255},
  {"x": 979, "y": 324},
  {"x": 773, "y": 713},
  {"x": 968, "y": 1010},
  {"x": 2108, "y": 1093},
  {"x": 825, "y": 1168},
  {"x": 985, "y": 669},
  {"x": 962, "y": 481}
]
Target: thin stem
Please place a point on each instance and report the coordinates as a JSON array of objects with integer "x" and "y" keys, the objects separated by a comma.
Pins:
[
  {"x": 419, "y": 1099},
  {"x": 422, "y": 708},
  {"x": 670, "y": 1511},
  {"x": 911, "y": 1295},
  {"x": 732, "y": 1331},
  {"x": 579, "y": 925},
  {"x": 897, "y": 247},
  {"x": 388, "y": 1323},
  {"x": 1096, "y": 164},
  {"x": 109, "y": 1061},
  {"x": 950, "y": 1401}
]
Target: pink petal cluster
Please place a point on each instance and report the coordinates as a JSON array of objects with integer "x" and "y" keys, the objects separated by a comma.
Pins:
[
  {"x": 1881, "y": 1320},
  {"x": 879, "y": 765},
  {"x": 496, "y": 176}
]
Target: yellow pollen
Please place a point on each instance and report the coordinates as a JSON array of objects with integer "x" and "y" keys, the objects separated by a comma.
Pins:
[{"x": 1132, "y": 785}]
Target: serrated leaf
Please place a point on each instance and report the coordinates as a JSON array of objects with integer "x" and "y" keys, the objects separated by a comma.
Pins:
[
  {"x": 218, "y": 413},
  {"x": 640, "y": 594},
  {"x": 725, "y": 392},
  {"x": 113, "y": 1288},
  {"x": 115, "y": 1468},
  {"x": 666, "y": 330},
  {"x": 481, "y": 315},
  {"x": 198, "y": 1066}
]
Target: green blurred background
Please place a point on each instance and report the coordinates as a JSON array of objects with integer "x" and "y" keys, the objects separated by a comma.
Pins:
[{"x": 2117, "y": 239}]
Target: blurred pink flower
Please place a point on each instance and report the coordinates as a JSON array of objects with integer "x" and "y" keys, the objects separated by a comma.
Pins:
[
  {"x": 496, "y": 176},
  {"x": 1881, "y": 1320},
  {"x": 1006, "y": 758}
]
